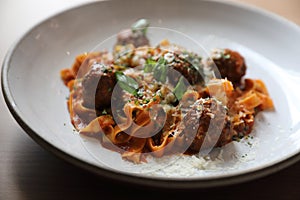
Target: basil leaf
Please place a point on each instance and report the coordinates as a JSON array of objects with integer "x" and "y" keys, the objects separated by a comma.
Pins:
[
  {"x": 180, "y": 88},
  {"x": 127, "y": 83},
  {"x": 161, "y": 61},
  {"x": 160, "y": 70},
  {"x": 150, "y": 61},
  {"x": 150, "y": 64},
  {"x": 140, "y": 25}
]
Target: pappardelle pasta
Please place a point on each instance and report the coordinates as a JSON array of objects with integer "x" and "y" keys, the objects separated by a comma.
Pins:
[{"x": 161, "y": 100}]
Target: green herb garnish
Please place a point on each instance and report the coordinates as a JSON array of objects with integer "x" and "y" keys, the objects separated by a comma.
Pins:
[
  {"x": 140, "y": 26},
  {"x": 160, "y": 70},
  {"x": 138, "y": 93},
  {"x": 180, "y": 88},
  {"x": 146, "y": 101},
  {"x": 225, "y": 55},
  {"x": 149, "y": 66},
  {"x": 104, "y": 112},
  {"x": 127, "y": 83}
]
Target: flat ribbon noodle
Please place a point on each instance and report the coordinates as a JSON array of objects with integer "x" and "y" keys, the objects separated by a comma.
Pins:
[
  {"x": 167, "y": 137},
  {"x": 255, "y": 95}
]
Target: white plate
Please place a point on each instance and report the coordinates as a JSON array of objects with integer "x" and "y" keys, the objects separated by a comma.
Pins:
[{"x": 36, "y": 96}]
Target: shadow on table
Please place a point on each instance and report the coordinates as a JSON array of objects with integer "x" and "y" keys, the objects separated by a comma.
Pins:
[{"x": 41, "y": 175}]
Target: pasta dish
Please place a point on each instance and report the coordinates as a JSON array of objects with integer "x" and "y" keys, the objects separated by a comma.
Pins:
[{"x": 162, "y": 100}]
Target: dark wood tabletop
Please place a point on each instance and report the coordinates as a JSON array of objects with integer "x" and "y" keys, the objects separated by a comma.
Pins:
[{"x": 27, "y": 171}]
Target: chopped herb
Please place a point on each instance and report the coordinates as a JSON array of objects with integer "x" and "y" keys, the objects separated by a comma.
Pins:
[
  {"x": 161, "y": 61},
  {"x": 146, "y": 101},
  {"x": 160, "y": 70},
  {"x": 138, "y": 93},
  {"x": 104, "y": 112},
  {"x": 224, "y": 55},
  {"x": 180, "y": 88},
  {"x": 140, "y": 26},
  {"x": 154, "y": 98},
  {"x": 149, "y": 66},
  {"x": 227, "y": 56},
  {"x": 236, "y": 138},
  {"x": 127, "y": 83}
]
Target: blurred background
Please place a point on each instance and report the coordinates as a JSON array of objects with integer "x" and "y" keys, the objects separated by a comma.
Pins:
[
  {"x": 29, "y": 172},
  {"x": 17, "y": 16}
]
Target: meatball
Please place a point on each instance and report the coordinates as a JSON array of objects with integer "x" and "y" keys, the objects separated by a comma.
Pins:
[
  {"x": 193, "y": 72},
  {"x": 98, "y": 86},
  {"x": 230, "y": 64},
  {"x": 197, "y": 122},
  {"x": 128, "y": 37},
  {"x": 209, "y": 118}
]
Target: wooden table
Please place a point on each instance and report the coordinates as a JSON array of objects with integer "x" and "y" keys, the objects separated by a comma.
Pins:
[{"x": 27, "y": 171}]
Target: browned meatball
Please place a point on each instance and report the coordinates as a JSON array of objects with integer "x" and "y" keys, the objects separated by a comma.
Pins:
[
  {"x": 230, "y": 64},
  {"x": 210, "y": 116},
  {"x": 198, "y": 120},
  {"x": 192, "y": 71},
  {"x": 128, "y": 37},
  {"x": 98, "y": 85}
]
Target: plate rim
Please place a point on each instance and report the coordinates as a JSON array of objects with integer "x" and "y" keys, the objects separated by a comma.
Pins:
[{"x": 156, "y": 182}]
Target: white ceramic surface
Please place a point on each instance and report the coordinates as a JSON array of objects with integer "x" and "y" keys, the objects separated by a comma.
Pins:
[{"x": 36, "y": 95}]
